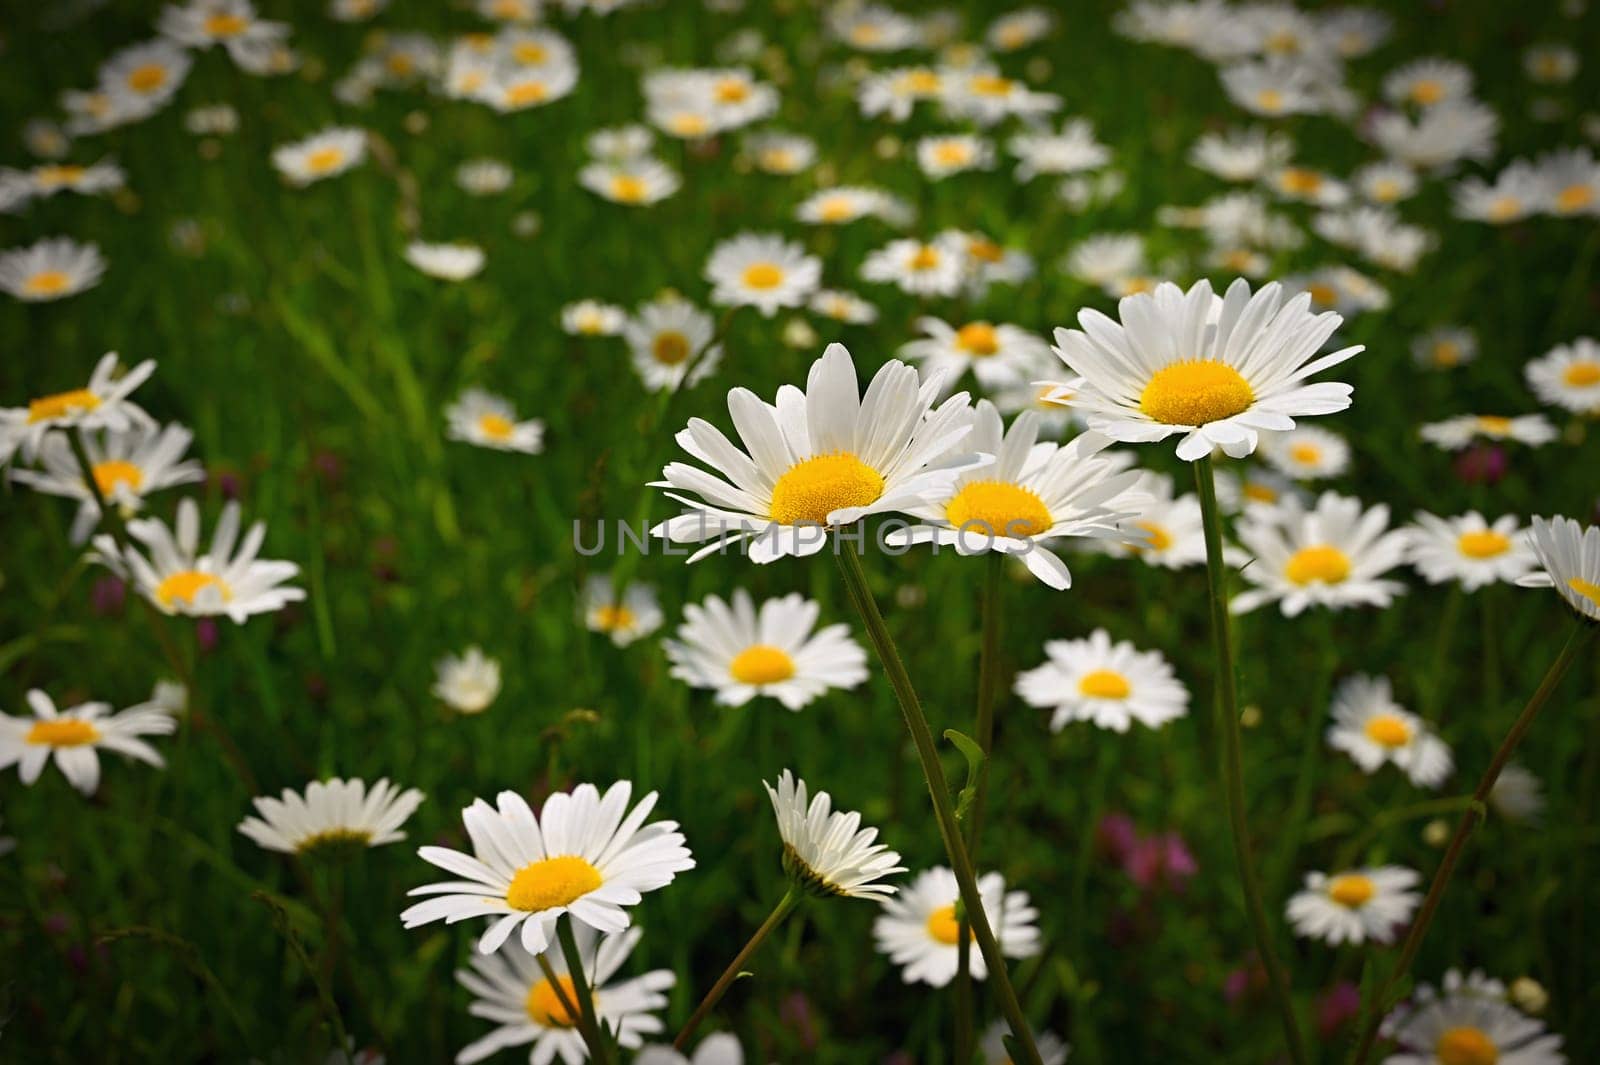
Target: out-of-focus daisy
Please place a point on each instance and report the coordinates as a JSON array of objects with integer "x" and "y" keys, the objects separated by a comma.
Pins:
[
  {"x": 1166, "y": 529},
  {"x": 987, "y": 262},
  {"x": 593, "y": 318},
  {"x": 1107, "y": 257},
  {"x": 101, "y": 404},
  {"x": 126, "y": 465},
  {"x": 740, "y": 651},
  {"x": 1272, "y": 89},
  {"x": 42, "y": 182},
  {"x": 1340, "y": 289},
  {"x": 332, "y": 813},
  {"x": 846, "y": 203},
  {"x": 632, "y": 617},
  {"x": 1052, "y": 1049},
  {"x": 894, "y": 93},
  {"x": 998, "y": 355},
  {"x": 148, "y": 74},
  {"x": 510, "y": 988},
  {"x": 1445, "y": 348},
  {"x": 1241, "y": 154},
  {"x": 1468, "y": 1022},
  {"x": 1254, "y": 486},
  {"x": 1305, "y": 185},
  {"x": 1453, "y": 434},
  {"x": 1053, "y": 414},
  {"x": 1442, "y": 135},
  {"x": 249, "y": 41},
  {"x": 1572, "y": 182},
  {"x": 1568, "y": 376},
  {"x": 634, "y": 182},
  {"x": 468, "y": 682},
  {"x": 986, "y": 97},
  {"x": 585, "y": 855},
  {"x": 1070, "y": 151},
  {"x": 826, "y": 851},
  {"x": 941, "y": 156},
  {"x": 1214, "y": 370},
  {"x": 516, "y": 87},
  {"x": 825, "y": 457},
  {"x": 668, "y": 339},
  {"x": 448, "y": 262},
  {"x": 1469, "y": 550},
  {"x": 1110, "y": 685},
  {"x": 354, "y": 10},
  {"x": 74, "y": 737},
  {"x": 1306, "y": 453},
  {"x": 1569, "y": 555},
  {"x": 718, "y": 1049},
  {"x": 1017, "y": 29},
  {"x": 1355, "y": 906},
  {"x": 1385, "y": 182},
  {"x": 1550, "y": 64},
  {"x": 1517, "y": 795},
  {"x": 212, "y": 120},
  {"x": 45, "y": 138},
  {"x": 321, "y": 155},
  {"x": 1374, "y": 730},
  {"x": 50, "y": 269},
  {"x": 1515, "y": 193},
  {"x": 920, "y": 932},
  {"x": 1333, "y": 555},
  {"x": 873, "y": 27},
  {"x": 484, "y": 177},
  {"x": 487, "y": 420},
  {"x": 781, "y": 153},
  {"x": 763, "y": 271},
  {"x": 843, "y": 306},
  {"x": 620, "y": 143},
  {"x": 1428, "y": 81},
  {"x": 936, "y": 268}
]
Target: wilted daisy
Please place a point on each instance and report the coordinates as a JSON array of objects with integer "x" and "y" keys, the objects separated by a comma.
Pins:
[
  {"x": 448, "y": 262},
  {"x": 321, "y": 155},
  {"x": 1052, "y": 1050},
  {"x": 1453, "y": 434},
  {"x": 941, "y": 156},
  {"x": 632, "y": 617},
  {"x": 1356, "y": 906},
  {"x": 633, "y": 182},
  {"x": 468, "y": 682},
  {"x": 586, "y": 855},
  {"x": 741, "y": 652},
  {"x": 997, "y": 354},
  {"x": 75, "y": 735},
  {"x": 1445, "y": 348},
  {"x": 332, "y": 813},
  {"x": 1469, "y": 550},
  {"x": 101, "y": 404},
  {"x": 1568, "y": 376},
  {"x": 1306, "y": 453},
  {"x": 824, "y": 457},
  {"x": 178, "y": 578},
  {"x": 763, "y": 271},
  {"x": 50, "y": 269},
  {"x": 593, "y": 318},
  {"x": 1333, "y": 555},
  {"x": 718, "y": 1049},
  {"x": 127, "y": 465},
  {"x": 509, "y": 988},
  {"x": 1467, "y": 1022},
  {"x": 487, "y": 420},
  {"x": 1373, "y": 730},
  {"x": 1166, "y": 529},
  {"x": 1214, "y": 370},
  {"x": 825, "y": 851},
  {"x": 938, "y": 268},
  {"x": 668, "y": 338},
  {"x": 1570, "y": 557},
  {"x": 1107, "y": 684},
  {"x": 843, "y": 307},
  {"x": 920, "y": 932}
]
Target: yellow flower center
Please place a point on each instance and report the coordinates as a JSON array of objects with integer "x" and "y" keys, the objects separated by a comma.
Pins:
[
  {"x": 401, "y": 65},
  {"x": 1323, "y": 294},
  {"x": 186, "y": 584},
  {"x": 1158, "y": 538},
  {"x": 1282, "y": 42},
  {"x": 814, "y": 488},
  {"x": 1427, "y": 91},
  {"x": 526, "y": 92},
  {"x": 670, "y": 347},
  {"x": 62, "y": 732},
  {"x": 944, "y": 927},
  {"x": 1260, "y": 493},
  {"x": 47, "y": 283},
  {"x": 610, "y": 618},
  {"x": 866, "y": 33},
  {"x": 688, "y": 125},
  {"x": 627, "y": 189},
  {"x": 334, "y": 837},
  {"x": 1465, "y": 1046},
  {"x": 978, "y": 338},
  {"x": 926, "y": 258},
  {"x": 147, "y": 78},
  {"x": 952, "y": 153},
  {"x": 1574, "y": 197},
  {"x": 1583, "y": 374},
  {"x": 112, "y": 472},
  {"x": 530, "y": 52},
  {"x": 324, "y": 159},
  {"x": 1446, "y": 353},
  {"x": 1494, "y": 424},
  {"x": 1306, "y": 454},
  {"x": 495, "y": 426},
  {"x": 545, "y": 1007},
  {"x": 761, "y": 664},
  {"x": 1588, "y": 589},
  {"x": 1270, "y": 100},
  {"x": 1386, "y": 190},
  {"x": 1484, "y": 543},
  {"x": 1194, "y": 392},
  {"x": 1104, "y": 684},
  {"x": 1351, "y": 890},
  {"x": 1300, "y": 181},
  {"x": 985, "y": 251},
  {"x": 1387, "y": 730},
  {"x": 922, "y": 81},
  {"x": 61, "y": 405},
  {"x": 59, "y": 174},
  {"x": 1318, "y": 564},
  {"x": 731, "y": 91},
  {"x": 225, "y": 25},
  {"x": 998, "y": 508},
  {"x": 836, "y": 209},
  {"x": 551, "y": 882},
  {"x": 763, "y": 275},
  {"x": 1505, "y": 207},
  {"x": 779, "y": 159},
  {"x": 990, "y": 85}
]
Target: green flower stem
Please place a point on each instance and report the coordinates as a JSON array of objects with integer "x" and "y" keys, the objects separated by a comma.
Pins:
[
  {"x": 855, "y": 580},
  {"x": 1227, "y": 707},
  {"x": 785, "y": 906},
  {"x": 1582, "y": 633},
  {"x": 599, "y": 1051}
]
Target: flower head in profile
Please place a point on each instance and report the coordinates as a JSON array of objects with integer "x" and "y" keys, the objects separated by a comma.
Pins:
[
  {"x": 920, "y": 927},
  {"x": 1355, "y": 906},
  {"x": 632, "y": 616},
  {"x": 1454, "y": 434},
  {"x": 101, "y": 404},
  {"x": 126, "y": 466},
  {"x": 1569, "y": 555},
  {"x": 468, "y": 682},
  {"x": 586, "y": 854},
  {"x": 1332, "y": 555},
  {"x": 75, "y": 736},
  {"x": 480, "y": 417},
  {"x": 1374, "y": 730},
  {"x": 1468, "y": 1021},
  {"x": 827, "y": 852},
  {"x": 1109, "y": 684},
  {"x": 332, "y": 813},
  {"x": 447, "y": 262}
]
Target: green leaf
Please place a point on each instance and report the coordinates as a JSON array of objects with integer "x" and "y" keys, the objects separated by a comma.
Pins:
[{"x": 975, "y": 758}]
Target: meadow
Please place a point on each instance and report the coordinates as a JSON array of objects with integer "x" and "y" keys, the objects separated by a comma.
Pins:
[{"x": 324, "y": 363}]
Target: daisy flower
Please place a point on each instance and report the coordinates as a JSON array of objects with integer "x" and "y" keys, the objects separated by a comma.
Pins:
[
  {"x": 1072, "y": 150},
  {"x": 1017, "y": 29},
  {"x": 484, "y": 177},
  {"x": 1568, "y": 376},
  {"x": 1440, "y": 136},
  {"x": 1306, "y": 453},
  {"x": 248, "y": 40},
  {"x": 514, "y": 88},
  {"x": 101, "y": 404},
  {"x": 581, "y": 856},
  {"x": 843, "y": 306},
  {"x": 332, "y": 813},
  {"x": 50, "y": 269},
  {"x": 593, "y": 318},
  {"x": 1572, "y": 181},
  {"x": 1052, "y": 1049},
  {"x": 942, "y": 156},
  {"x": 75, "y": 735},
  {"x": 781, "y": 153},
  {"x": 127, "y": 465},
  {"x": 1214, "y": 370},
  {"x": 321, "y": 155},
  {"x": 987, "y": 262},
  {"x": 998, "y": 355},
  {"x": 917, "y": 268},
  {"x": 487, "y": 420},
  {"x": 823, "y": 457},
  {"x": 1385, "y": 182},
  {"x": 43, "y": 182},
  {"x": 448, "y": 262},
  {"x": 1333, "y": 555},
  {"x": 1305, "y": 185},
  {"x": 740, "y": 651},
  {"x": 847, "y": 203},
  {"x": 148, "y": 74},
  {"x": 1356, "y": 906},
  {"x": 1241, "y": 154},
  {"x": 1165, "y": 530},
  {"x": 1467, "y": 1022},
  {"x": 1517, "y": 794},
  {"x": 1272, "y": 89},
  {"x": 1373, "y": 729},
  {"x": 468, "y": 682},
  {"x": 510, "y": 989},
  {"x": 1453, "y": 434},
  {"x": 873, "y": 28},
  {"x": 1105, "y": 258},
  {"x": 1516, "y": 192},
  {"x": 763, "y": 271},
  {"x": 1569, "y": 557},
  {"x": 1428, "y": 81},
  {"x": 668, "y": 339},
  {"x": 633, "y": 182},
  {"x": 636, "y": 615},
  {"x": 1550, "y": 64},
  {"x": 920, "y": 932},
  {"x": 718, "y": 1049},
  {"x": 1468, "y": 550},
  {"x": 1445, "y": 348},
  {"x": 825, "y": 851},
  {"x": 1108, "y": 684}
]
